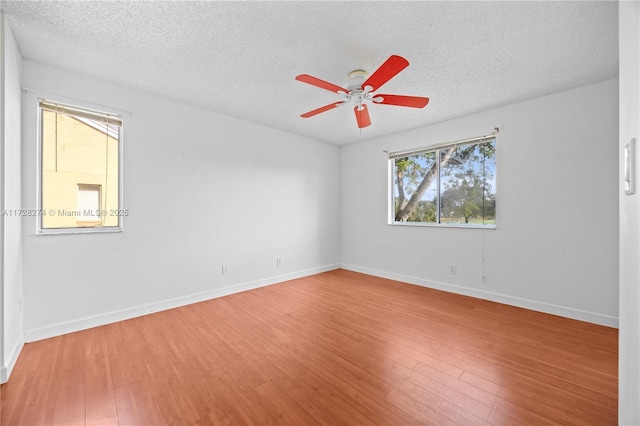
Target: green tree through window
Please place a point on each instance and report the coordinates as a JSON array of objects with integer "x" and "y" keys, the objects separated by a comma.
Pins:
[{"x": 453, "y": 184}]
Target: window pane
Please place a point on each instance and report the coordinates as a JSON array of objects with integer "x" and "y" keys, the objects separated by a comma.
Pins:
[
  {"x": 468, "y": 184},
  {"x": 80, "y": 162},
  {"x": 416, "y": 188}
]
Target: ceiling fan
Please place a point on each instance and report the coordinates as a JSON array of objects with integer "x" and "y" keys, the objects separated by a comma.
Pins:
[{"x": 360, "y": 90}]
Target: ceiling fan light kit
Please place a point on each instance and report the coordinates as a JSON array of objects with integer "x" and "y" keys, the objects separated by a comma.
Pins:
[
  {"x": 356, "y": 78},
  {"x": 360, "y": 88}
]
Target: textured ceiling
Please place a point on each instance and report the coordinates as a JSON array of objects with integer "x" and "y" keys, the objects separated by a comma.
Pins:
[{"x": 241, "y": 58}]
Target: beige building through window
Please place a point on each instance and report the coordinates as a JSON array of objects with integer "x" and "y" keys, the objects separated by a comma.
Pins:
[{"x": 79, "y": 168}]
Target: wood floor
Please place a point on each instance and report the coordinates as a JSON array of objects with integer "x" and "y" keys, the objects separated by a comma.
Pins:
[{"x": 336, "y": 348}]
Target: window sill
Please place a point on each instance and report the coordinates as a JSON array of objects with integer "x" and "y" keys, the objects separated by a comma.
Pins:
[
  {"x": 82, "y": 230},
  {"x": 443, "y": 225}
]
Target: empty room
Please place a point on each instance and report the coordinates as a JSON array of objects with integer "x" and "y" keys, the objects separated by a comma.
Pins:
[{"x": 337, "y": 213}]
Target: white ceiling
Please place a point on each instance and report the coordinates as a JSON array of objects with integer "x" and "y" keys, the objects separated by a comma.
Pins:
[{"x": 241, "y": 58}]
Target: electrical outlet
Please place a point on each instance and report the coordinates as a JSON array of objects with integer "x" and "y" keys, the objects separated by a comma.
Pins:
[
  {"x": 278, "y": 262},
  {"x": 453, "y": 269},
  {"x": 225, "y": 269}
]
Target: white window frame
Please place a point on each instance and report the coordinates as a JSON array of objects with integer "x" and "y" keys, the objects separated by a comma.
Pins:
[
  {"x": 423, "y": 150},
  {"x": 85, "y": 112}
]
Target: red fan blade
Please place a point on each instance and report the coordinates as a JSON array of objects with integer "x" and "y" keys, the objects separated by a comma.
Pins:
[
  {"x": 321, "y": 109},
  {"x": 391, "y": 67},
  {"x": 306, "y": 78},
  {"x": 400, "y": 100},
  {"x": 362, "y": 116}
]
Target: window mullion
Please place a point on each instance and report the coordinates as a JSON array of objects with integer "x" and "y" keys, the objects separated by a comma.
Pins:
[{"x": 438, "y": 200}]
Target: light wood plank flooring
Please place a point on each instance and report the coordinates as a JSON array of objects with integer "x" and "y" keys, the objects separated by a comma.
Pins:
[{"x": 337, "y": 348}]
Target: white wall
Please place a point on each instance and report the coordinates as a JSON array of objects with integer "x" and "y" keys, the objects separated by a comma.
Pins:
[
  {"x": 629, "y": 345},
  {"x": 11, "y": 289},
  {"x": 202, "y": 189},
  {"x": 555, "y": 248}
]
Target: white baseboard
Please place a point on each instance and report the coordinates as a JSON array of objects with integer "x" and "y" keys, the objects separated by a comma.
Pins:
[
  {"x": 137, "y": 311},
  {"x": 5, "y": 370},
  {"x": 534, "y": 305}
]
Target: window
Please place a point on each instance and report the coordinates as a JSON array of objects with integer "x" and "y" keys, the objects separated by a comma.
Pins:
[
  {"x": 451, "y": 184},
  {"x": 89, "y": 212},
  {"x": 79, "y": 185}
]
